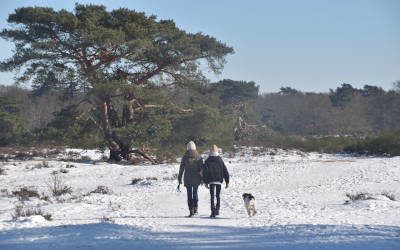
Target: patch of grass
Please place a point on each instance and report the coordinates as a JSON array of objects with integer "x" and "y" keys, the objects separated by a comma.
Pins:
[
  {"x": 390, "y": 196},
  {"x": 137, "y": 180},
  {"x": 25, "y": 193},
  {"x": 64, "y": 171},
  {"x": 101, "y": 190},
  {"x": 20, "y": 211},
  {"x": 359, "y": 196},
  {"x": 57, "y": 186},
  {"x": 105, "y": 219},
  {"x": 171, "y": 178},
  {"x": 79, "y": 159},
  {"x": 70, "y": 166}
]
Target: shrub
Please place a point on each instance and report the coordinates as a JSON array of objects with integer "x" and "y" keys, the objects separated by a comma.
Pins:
[
  {"x": 144, "y": 181},
  {"x": 20, "y": 211},
  {"x": 105, "y": 219},
  {"x": 136, "y": 181},
  {"x": 57, "y": 186},
  {"x": 359, "y": 196},
  {"x": 25, "y": 193},
  {"x": 64, "y": 171},
  {"x": 171, "y": 178},
  {"x": 390, "y": 196},
  {"x": 101, "y": 190},
  {"x": 384, "y": 144}
]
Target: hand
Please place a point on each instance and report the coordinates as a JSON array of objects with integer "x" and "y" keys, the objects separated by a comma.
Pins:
[
  {"x": 226, "y": 185},
  {"x": 207, "y": 186}
]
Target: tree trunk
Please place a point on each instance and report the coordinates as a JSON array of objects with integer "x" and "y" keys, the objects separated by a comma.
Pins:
[
  {"x": 114, "y": 147},
  {"x": 118, "y": 150}
]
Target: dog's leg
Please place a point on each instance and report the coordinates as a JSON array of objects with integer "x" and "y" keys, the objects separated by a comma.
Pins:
[{"x": 253, "y": 209}]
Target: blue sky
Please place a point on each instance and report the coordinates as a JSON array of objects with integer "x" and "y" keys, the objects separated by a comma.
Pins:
[{"x": 309, "y": 45}]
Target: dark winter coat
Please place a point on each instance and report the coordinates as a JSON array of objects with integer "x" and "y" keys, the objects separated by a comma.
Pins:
[
  {"x": 215, "y": 170},
  {"x": 191, "y": 168}
]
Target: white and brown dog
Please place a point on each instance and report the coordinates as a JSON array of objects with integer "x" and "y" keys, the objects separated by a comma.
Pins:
[{"x": 250, "y": 204}]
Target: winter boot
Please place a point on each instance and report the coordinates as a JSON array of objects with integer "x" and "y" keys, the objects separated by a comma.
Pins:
[
  {"x": 212, "y": 212},
  {"x": 191, "y": 211},
  {"x": 195, "y": 208},
  {"x": 217, "y": 210}
]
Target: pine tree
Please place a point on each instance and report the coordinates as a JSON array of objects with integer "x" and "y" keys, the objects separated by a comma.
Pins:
[{"x": 111, "y": 56}]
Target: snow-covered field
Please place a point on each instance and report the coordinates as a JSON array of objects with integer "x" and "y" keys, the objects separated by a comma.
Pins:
[{"x": 301, "y": 203}]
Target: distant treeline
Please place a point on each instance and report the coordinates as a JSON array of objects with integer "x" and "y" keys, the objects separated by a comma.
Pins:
[
  {"x": 345, "y": 119},
  {"x": 344, "y": 111}
]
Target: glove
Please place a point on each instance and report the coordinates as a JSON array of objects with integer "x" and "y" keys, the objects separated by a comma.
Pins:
[{"x": 226, "y": 185}]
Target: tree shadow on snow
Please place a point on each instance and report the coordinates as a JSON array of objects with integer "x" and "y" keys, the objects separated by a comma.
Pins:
[{"x": 111, "y": 236}]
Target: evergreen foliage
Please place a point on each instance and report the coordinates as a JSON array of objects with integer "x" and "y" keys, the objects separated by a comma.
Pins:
[{"x": 11, "y": 121}]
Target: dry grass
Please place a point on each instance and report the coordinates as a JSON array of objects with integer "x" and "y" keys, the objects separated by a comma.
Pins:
[
  {"x": 359, "y": 196},
  {"x": 57, "y": 186},
  {"x": 25, "y": 193},
  {"x": 390, "y": 196},
  {"x": 21, "y": 211},
  {"x": 101, "y": 190},
  {"x": 137, "y": 180}
]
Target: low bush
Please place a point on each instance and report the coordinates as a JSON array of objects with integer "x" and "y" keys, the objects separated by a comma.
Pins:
[
  {"x": 57, "y": 186},
  {"x": 25, "y": 193},
  {"x": 359, "y": 196},
  {"x": 138, "y": 180},
  {"x": 390, "y": 196},
  {"x": 384, "y": 144},
  {"x": 20, "y": 211},
  {"x": 171, "y": 178},
  {"x": 64, "y": 171},
  {"x": 101, "y": 190}
]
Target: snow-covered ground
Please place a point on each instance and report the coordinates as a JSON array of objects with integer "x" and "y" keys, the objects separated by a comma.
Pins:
[{"x": 301, "y": 203}]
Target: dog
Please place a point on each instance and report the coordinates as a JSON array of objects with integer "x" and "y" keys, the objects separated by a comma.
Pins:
[{"x": 249, "y": 204}]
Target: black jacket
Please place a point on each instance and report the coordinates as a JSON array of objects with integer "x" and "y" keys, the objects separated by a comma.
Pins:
[
  {"x": 215, "y": 170},
  {"x": 191, "y": 167}
]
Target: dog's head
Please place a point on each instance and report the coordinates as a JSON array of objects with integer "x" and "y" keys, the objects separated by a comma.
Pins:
[{"x": 247, "y": 196}]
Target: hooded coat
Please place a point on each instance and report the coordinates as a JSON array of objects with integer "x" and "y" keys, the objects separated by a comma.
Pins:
[
  {"x": 190, "y": 168},
  {"x": 215, "y": 170}
]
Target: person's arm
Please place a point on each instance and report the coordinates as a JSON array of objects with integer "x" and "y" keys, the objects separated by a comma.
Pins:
[
  {"x": 205, "y": 173},
  {"x": 181, "y": 169},
  {"x": 226, "y": 173},
  {"x": 200, "y": 166}
]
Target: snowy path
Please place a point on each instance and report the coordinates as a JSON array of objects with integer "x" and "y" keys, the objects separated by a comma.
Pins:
[{"x": 300, "y": 201}]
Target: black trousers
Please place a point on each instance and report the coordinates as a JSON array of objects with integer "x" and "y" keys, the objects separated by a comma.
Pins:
[
  {"x": 215, "y": 190},
  {"x": 192, "y": 197}
]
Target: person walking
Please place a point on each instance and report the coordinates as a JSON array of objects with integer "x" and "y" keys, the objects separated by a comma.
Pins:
[
  {"x": 214, "y": 173},
  {"x": 191, "y": 168}
]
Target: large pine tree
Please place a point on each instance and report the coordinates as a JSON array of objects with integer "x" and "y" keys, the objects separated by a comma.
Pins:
[{"x": 108, "y": 55}]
